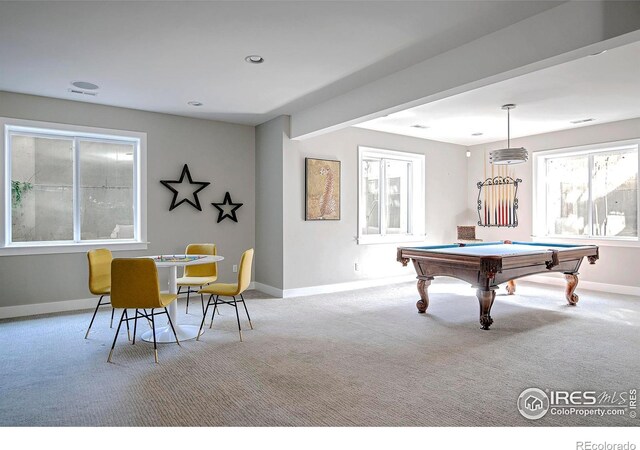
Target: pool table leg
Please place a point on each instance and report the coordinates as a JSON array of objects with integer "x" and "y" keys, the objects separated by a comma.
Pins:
[
  {"x": 423, "y": 303},
  {"x": 486, "y": 298},
  {"x": 511, "y": 287},
  {"x": 572, "y": 283}
]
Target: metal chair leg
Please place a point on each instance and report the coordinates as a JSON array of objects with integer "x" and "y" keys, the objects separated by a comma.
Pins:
[
  {"x": 188, "y": 292},
  {"x": 86, "y": 336},
  {"x": 202, "y": 301},
  {"x": 146, "y": 314},
  {"x": 215, "y": 306},
  {"x": 116, "y": 336},
  {"x": 113, "y": 310},
  {"x": 172, "y": 328},
  {"x": 135, "y": 327},
  {"x": 126, "y": 315},
  {"x": 235, "y": 303},
  {"x": 247, "y": 311},
  {"x": 155, "y": 345},
  {"x": 204, "y": 316}
]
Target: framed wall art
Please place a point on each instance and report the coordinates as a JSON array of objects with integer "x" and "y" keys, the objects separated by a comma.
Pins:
[{"x": 322, "y": 189}]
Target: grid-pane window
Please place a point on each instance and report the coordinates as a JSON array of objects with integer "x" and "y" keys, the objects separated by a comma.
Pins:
[
  {"x": 397, "y": 175},
  {"x": 70, "y": 188},
  {"x": 590, "y": 193},
  {"x": 106, "y": 190},
  {"x": 41, "y": 188},
  {"x": 568, "y": 195},
  {"x": 371, "y": 196},
  {"x": 391, "y": 195}
]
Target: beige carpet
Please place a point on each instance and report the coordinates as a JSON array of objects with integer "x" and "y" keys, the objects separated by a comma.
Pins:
[{"x": 361, "y": 358}]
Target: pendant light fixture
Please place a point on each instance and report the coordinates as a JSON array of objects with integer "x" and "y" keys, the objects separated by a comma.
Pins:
[{"x": 508, "y": 155}]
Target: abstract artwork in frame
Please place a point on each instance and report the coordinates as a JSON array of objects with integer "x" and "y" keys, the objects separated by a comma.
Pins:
[{"x": 322, "y": 193}]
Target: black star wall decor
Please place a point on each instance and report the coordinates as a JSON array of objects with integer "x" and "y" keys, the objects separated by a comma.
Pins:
[
  {"x": 222, "y": 214},
  {"x": 201, "y": 185}
]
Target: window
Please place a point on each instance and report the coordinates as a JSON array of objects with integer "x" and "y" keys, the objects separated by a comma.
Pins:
[
  {"x": 69, "y": 187},
  {"x": 391, "y": 196},
  {"x": 589, "y": 192}
]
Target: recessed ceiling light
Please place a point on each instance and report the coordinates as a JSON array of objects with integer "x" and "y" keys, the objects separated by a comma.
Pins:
[
  {"x": 194, "y": 103},
  {"x": 254, "y": 59},
  {"x": 582, "y": 120},
  {"x": 598, "y": 53},
  {"x": 85, "y": 85},
  {"x": 477, "y": 134},
  {"x": 422, "y": 127}
]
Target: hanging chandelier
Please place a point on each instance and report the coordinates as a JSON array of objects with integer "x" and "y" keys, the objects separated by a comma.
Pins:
[{"x": 508, "y": 155}]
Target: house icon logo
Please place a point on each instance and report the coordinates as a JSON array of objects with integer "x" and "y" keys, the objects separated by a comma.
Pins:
[{"x": 533, "y": 403}]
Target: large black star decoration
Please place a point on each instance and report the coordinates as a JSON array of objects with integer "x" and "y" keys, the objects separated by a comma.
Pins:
[
  {"x": 222, "y": 214},
  {"x": 176, "y": 193}
]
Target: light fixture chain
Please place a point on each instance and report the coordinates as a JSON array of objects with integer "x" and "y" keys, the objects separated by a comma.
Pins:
[{"x": 508, "y": 127}]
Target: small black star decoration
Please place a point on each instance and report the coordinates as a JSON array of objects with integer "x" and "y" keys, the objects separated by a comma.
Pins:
[
  {"x": 222, "y": 214},
  {"x": 202, "y": 184}
]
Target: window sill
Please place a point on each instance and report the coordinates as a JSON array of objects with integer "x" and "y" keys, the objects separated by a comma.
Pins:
[
  {"x": 390, "y": 239},
  {"x": 70, "y": 248},
  {"x": 600, "y": 242}
]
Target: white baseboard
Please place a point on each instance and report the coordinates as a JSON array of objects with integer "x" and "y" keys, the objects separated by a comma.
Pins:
[
  {"x": 330, "y": 288},
  {"x": 7, "y": 312},
  {"x": 347, "y": 286},
  {"x": 589, "y": 285},
  {"x": 276, "y": 292}
]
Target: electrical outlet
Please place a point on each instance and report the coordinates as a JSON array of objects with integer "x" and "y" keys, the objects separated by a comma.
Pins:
[
  {"x": 235, "y": 268},
  {"x": 356, "y": 267}
]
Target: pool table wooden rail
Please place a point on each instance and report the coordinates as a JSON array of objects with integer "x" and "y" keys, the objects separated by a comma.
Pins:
[{"x": 486, "y": 272}]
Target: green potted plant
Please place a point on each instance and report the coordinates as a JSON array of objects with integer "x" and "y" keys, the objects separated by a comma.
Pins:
[{"x": 18, "y": 191}]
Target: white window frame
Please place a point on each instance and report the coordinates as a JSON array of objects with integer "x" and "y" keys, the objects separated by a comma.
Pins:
[
  {"x": 539, "y": 194},
  {"x": 416, "y": 197},
  {"x": 139, "y": 242}
]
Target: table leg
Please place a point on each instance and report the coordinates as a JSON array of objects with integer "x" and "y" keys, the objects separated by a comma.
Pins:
[
  {"x": 511, "y": 287},
  {"x": 486, "y": 298},
  {"x": 572, "y": 283},
  {"x": 423, "y": 303},
  {"x": 165, "y": 334}
]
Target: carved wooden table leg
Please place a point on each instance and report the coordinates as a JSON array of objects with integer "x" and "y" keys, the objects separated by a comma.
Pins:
[
  {"x": 486, "y": 299},
  {"x": 423, "y": 303},
  {"x": 572, "y": 283},
  {"x": 511, "y": 287}
]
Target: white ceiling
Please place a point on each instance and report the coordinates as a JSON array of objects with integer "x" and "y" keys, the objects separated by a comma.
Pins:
[
  {"x": 157, "y": 56},
  {"x": 605, "y": 87}
]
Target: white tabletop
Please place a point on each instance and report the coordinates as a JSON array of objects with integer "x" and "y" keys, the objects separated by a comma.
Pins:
[{"x": 204, "y": 259}]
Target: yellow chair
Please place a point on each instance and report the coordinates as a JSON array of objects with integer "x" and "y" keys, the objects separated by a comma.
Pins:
[
  {"x": 230, "y": 290},
  {"x": 99, "y": 279},
  {"x": 199, "y": 275},
  {"x": 134, "y": 284}
]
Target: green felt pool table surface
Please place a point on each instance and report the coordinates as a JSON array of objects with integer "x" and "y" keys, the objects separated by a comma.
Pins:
[{"x": 497, "y": 248}]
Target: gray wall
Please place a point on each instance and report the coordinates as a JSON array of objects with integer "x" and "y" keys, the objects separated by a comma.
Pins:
[
  {"x": 619, "y": 263},
  {"x": 221, "y": 153},
  {"x": 324, "y": 252},
  {"x": 270, "y": 137}
]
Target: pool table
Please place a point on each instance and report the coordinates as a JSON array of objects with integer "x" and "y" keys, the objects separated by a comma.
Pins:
[{"x": 488, "y": 264}]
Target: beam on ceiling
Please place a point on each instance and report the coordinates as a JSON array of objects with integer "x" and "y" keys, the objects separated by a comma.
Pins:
[{"x": 572, "y": 30}]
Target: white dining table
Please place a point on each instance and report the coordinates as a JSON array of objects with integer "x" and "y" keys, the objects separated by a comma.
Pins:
[{"x": 172, "y": 262}]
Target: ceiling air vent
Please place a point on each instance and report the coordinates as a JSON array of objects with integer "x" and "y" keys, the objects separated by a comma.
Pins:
[{"x": 81, "y": 92}]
